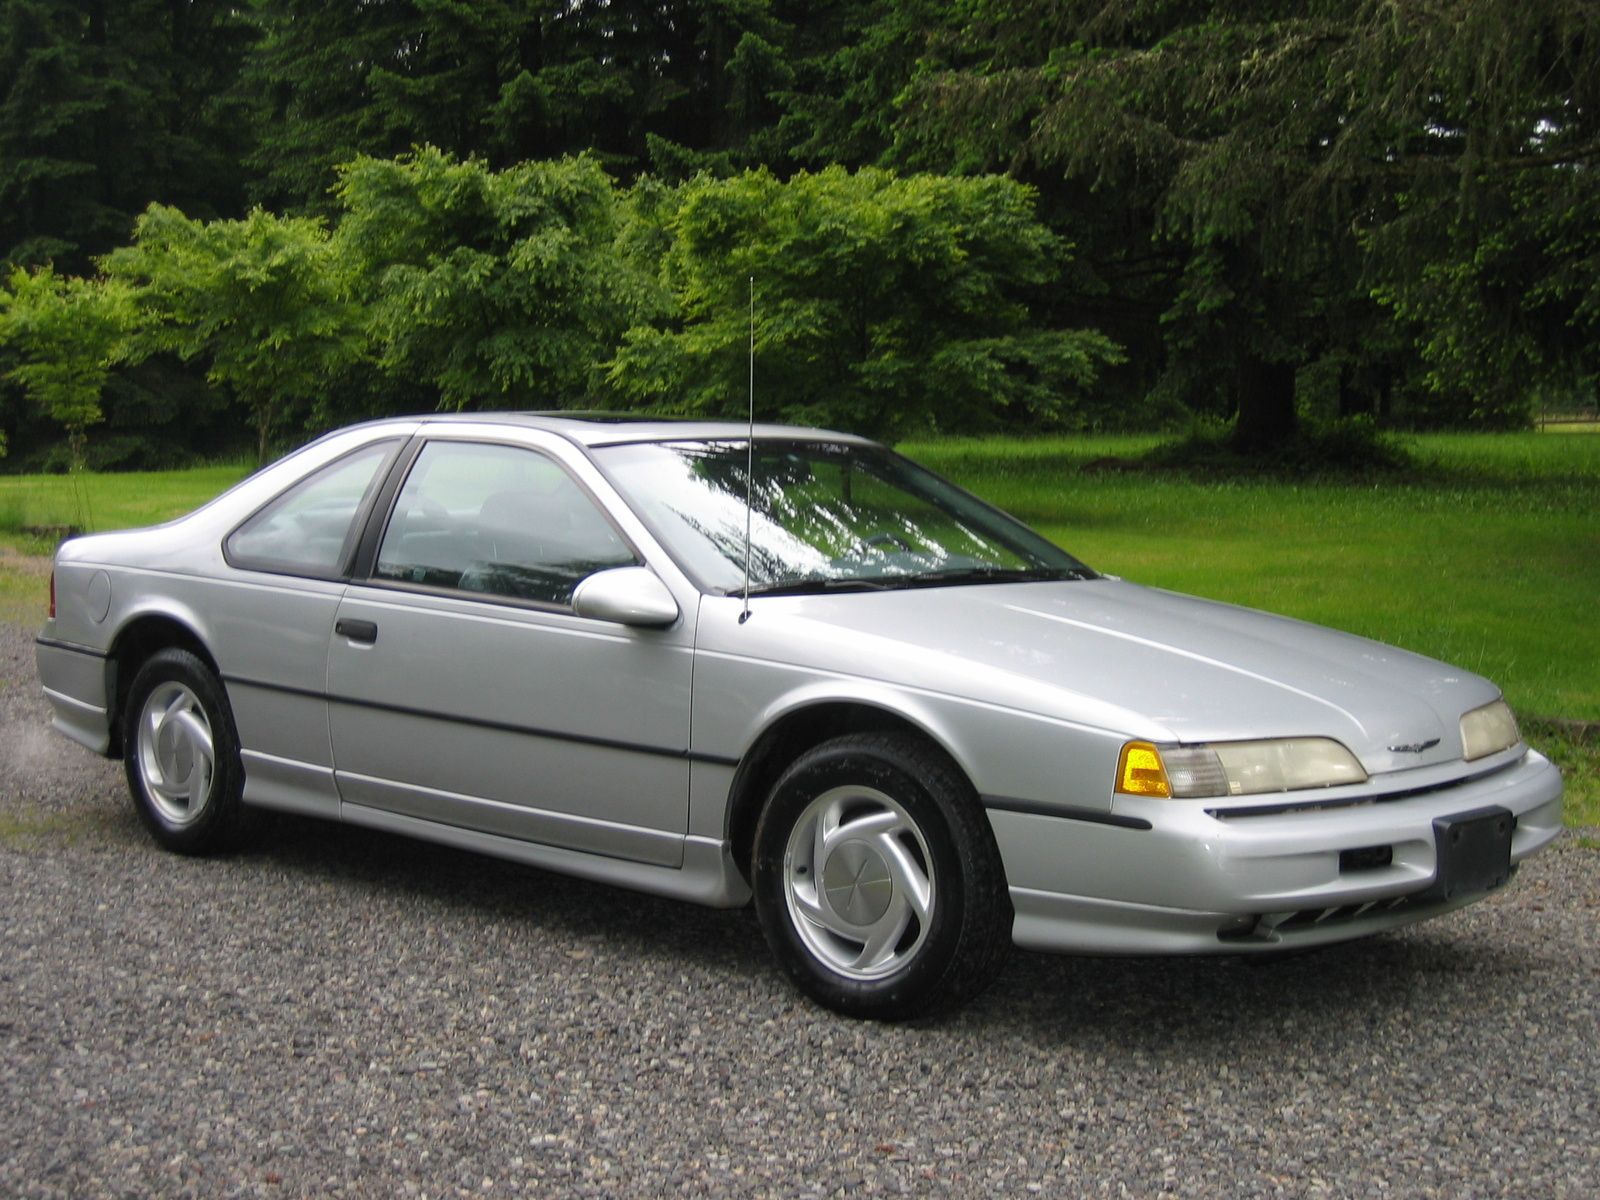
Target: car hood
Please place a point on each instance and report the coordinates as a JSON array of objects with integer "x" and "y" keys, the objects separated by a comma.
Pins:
[{"x": 1145, "y": 662}]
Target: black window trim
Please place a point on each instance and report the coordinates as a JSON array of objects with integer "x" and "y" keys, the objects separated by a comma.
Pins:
[{"x": 377, "y": 527}]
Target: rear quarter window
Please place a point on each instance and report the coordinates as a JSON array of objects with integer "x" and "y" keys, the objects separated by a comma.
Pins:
[{"x": 309, "y": 529}]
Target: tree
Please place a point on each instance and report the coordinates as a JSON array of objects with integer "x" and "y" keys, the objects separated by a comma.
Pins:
[
  {"x": 1489, "y": 253},
  {"x": 506, "y": 81},
  {"x": 66, "y": 332},
  {"x": 495, "y": 288},
  {"x": 1277, "y": 149},
  {"x": 105, "y": 107},
  {"x": 853, "y": 61},
  {"x": 1207, "y": 120},
  {"x": 882, "y": 304},
  {"x": 332, "y": 81},
  {"x": 261, "y": 301}
]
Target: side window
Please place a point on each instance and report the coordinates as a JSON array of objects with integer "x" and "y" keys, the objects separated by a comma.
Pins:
[
  {"x": 497, "y": 520},
  {"x": 305, "y": 530}
]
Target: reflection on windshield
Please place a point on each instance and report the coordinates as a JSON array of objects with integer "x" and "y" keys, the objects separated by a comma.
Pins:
[{"x": 823, "y": 516}]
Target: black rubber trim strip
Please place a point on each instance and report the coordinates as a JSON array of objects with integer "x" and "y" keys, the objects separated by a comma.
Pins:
[
  {"x": 375, "y": 518},
  {"x": 59, "y": 645},
  {"x": 480, "y": 723},
  {"x": 1089, "y": 816}
]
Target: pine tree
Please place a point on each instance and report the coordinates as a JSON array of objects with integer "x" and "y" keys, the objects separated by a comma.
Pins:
[{"x": 106, "y": 107}]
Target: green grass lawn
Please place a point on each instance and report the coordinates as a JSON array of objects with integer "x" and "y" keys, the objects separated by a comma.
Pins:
[
  {"x": 1488, "y": 557},
  {"x": 95, "y": 502},
  {"x": 89, "y": 502}
]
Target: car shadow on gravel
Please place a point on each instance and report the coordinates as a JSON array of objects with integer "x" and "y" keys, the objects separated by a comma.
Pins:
[
  {"x": 1129, "y": 1005},
  {"x": 485, "y": 888},
  {"x": 1231, "y": 1006}
]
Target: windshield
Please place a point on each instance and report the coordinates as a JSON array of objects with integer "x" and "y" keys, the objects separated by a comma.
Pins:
[{"x": 824, "y": 516}]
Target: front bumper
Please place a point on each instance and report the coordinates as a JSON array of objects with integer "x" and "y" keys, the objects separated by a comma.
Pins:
[{"x": 1200, "y": 883}]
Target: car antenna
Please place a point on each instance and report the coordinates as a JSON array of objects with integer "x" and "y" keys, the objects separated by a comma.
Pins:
[{"x": 750, "y": 455}]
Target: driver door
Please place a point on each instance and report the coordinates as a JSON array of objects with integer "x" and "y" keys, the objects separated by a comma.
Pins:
[{"x": 465, "y": 691}]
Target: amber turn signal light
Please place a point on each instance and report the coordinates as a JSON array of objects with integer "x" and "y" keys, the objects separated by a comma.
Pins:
[{"x": 1140, "y": 771}]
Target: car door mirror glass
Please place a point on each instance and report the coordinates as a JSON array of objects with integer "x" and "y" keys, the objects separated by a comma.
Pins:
[{"x": 626, "y": 595}]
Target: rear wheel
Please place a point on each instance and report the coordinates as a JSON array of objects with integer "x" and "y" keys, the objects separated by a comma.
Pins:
[
  {"x": 877, "y": 880},
  {"x": 182, "y": 754}
]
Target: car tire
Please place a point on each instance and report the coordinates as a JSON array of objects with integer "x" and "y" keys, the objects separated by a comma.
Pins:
[
  {"x": 181, "y": 753},
  {"x": 877, "y": 881}
]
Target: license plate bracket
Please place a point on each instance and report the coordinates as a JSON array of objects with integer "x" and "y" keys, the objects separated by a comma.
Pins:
[{"x": 1473, "y": 852}]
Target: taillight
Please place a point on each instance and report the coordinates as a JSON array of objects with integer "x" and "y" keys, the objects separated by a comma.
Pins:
[{"x": 52, "y": 593}]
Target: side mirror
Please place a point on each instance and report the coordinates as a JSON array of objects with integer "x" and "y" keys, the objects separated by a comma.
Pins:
[{"x": 626, "y": 595}]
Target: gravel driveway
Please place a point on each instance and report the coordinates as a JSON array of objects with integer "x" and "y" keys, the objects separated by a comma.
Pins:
[{"x": 339, "y": 1013}]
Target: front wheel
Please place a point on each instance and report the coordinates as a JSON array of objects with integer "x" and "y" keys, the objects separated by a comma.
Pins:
[
  {"x": 877, "y": 880},
  {"x": 182, "y": 754}
]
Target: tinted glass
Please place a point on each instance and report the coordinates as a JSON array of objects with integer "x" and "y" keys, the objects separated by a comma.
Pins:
[
  {"x": 823, "y": 516},
  {"x": 498, "y": 521},
  {"x": 306, "y": 530}
]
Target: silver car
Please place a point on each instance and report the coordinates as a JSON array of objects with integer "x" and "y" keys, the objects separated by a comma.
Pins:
[{"x": 794, "y": 668}]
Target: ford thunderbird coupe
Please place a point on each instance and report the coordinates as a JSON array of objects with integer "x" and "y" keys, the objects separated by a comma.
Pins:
[{"x": 779, "y": 665}]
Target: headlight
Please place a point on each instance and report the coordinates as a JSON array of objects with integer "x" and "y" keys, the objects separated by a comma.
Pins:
[
  {"x": 1488, "y": 729},
  {"x": 1235, "y": 768}
]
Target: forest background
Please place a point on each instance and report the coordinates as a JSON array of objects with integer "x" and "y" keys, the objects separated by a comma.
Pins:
[{"x": 226, "y": 225}]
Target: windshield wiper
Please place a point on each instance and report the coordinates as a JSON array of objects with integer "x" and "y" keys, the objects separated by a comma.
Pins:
[
  {"x": 997, "y": 575},
  {"x": 814, "y": 584},
  {"x": 818, "y": 584}
]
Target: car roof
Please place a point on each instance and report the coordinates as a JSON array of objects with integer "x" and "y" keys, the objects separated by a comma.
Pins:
[{"x": 610, "y": 429}]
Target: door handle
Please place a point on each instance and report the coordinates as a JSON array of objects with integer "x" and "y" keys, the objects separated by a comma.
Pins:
[{"x": 365, "y": 632}]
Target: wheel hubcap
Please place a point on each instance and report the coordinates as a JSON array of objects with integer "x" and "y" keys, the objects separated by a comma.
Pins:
[
  {"x": 176, "y": 757},
  {"x": 858, "y": 882}
]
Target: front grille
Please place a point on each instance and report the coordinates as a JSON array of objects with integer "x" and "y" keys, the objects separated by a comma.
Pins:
[
  {"x": 1268, "y": 927},
  {"x": 1309, "y": 918}
]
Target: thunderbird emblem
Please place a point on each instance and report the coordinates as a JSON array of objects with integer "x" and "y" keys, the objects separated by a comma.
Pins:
[{"x": 1416, "y": 747}]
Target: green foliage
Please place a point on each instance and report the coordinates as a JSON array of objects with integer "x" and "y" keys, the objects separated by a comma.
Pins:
[
  {"x": 1203, "y": 123},
  {"x": 495, "y": 288},
  {"x": 1289, "y": 156},
  {"x": 863, "y": 54},
  {"x": 1508, "y": 306},
  {"x": 331, "y": 81},
  {"x": 1279, "y": 211},
  {"x": 66, "y": 332},
  {"x": 881, "y": 304},
  {"x": 105, "y": 107},
  {"x": 507, "y": 81},
  {"x": 261, "y": 301},
  {"x": 1489, "y": 255}
]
